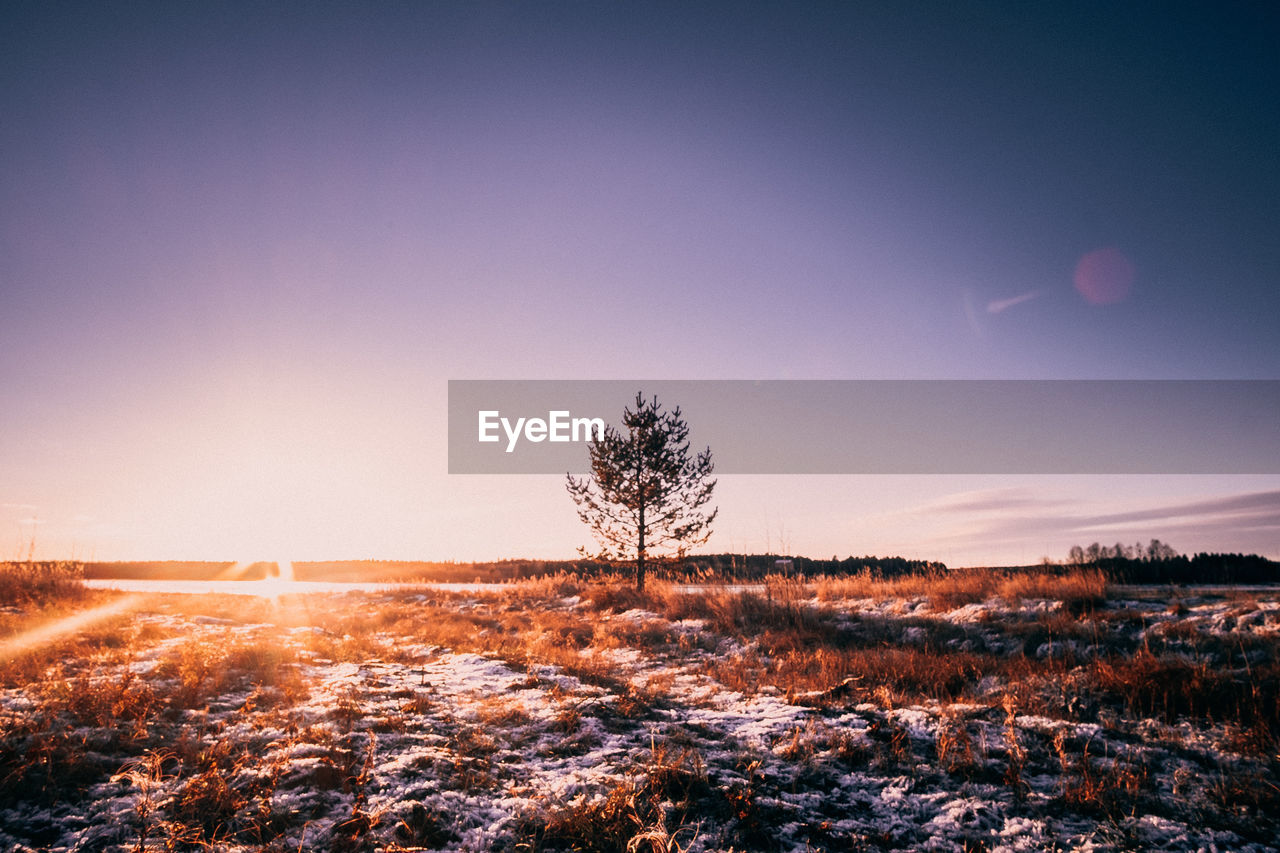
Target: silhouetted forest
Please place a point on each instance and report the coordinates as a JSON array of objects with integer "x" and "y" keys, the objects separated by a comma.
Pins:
[
  {"x": 1157, "y": 562},
  {"x": 1154, "y": 563},
  {"x": 701, "y": 567},
  {"x": 757, "y": 566},
  {"x": 184, "y": 570}
]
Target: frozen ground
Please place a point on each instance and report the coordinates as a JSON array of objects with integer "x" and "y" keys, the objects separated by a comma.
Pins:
[{"x": 542, "y": 720}]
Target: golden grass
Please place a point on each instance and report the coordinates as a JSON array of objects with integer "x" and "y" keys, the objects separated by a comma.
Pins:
[
  {"x": 1107, "y": 785},
  {"x": 799, "y": 640},
  {"x": 1079, "y": 588},
  {"x": 1169, "y": 687},
  {"x": 24, "y": 584},
  {"x": 650, "y": 812}
]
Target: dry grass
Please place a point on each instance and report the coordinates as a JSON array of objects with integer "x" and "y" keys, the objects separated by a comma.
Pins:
[
  {"x": 1080, "y": 589},
  {"x": 26, "y": 584},
  {"x": 1108, "y": 785},
  {"x": 650, "y": 812},
  {"x": 84, "y": 722},
  {"x": 1172, "y": 688}
]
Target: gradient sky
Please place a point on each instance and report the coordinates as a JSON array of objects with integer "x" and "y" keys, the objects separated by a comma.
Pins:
[{"x": 244, "y": 246}]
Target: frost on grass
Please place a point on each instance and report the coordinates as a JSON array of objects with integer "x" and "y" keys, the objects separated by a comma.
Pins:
[{"x": 546, "y": 718}]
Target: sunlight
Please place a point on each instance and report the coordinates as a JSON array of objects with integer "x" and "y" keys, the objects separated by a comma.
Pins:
[
  {"x": 281, "y": 583},
  {"x": 233, "y": 572},
  {"x": 60, "y": 628}
]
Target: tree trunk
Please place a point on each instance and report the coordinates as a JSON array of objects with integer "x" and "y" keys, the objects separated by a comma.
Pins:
[{"x": 640, "y": 554}]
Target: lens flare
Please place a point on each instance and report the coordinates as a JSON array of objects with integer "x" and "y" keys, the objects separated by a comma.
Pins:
[
  {"x": 61, "y": 628},
  {"x": 279, "y": 583},
  {"x": 1104, "y": 276}
]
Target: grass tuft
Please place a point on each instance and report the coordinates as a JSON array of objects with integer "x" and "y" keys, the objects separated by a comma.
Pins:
[{"x": 24, "y": 584}]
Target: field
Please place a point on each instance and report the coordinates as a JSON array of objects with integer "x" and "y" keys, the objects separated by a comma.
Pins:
[{"x": 987, "y": 711}]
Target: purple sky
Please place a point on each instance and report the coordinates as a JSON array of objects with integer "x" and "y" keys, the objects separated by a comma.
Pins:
[{"x": 242, "y": 250}]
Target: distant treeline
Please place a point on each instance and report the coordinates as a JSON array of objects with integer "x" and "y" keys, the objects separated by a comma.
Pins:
[
  {"x": 701, "y": 567},
  {"x": 756, "y": 566},
  {"x": 184, "y": 570},
  {"x": 444, "y": 572},
  {"x": 1157, "y": 563},
  {"x": 1198, "y": 569},
  {"x": 340, "y": 570}
]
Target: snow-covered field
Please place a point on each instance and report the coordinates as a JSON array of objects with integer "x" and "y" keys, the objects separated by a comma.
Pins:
[{"x": 566, "y": 716}]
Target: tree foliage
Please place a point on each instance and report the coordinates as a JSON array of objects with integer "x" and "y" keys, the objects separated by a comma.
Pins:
[{"x": 647, "y": 494}]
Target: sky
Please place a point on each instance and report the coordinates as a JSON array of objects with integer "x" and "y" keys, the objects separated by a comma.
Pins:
[{"x": 243, "y": 248}]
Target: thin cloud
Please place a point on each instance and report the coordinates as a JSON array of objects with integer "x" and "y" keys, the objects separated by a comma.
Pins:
[
  {"x": 995, "y": 306},
  {"x": 1231, "y": 506},
  {"x": 1247, "y": 516},
  {"x": 991, "y": 500}
]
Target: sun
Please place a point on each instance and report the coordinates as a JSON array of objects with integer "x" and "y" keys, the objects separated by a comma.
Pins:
[
  {"x": 276, "y": 584},
  {"x": 278, "y": 577}
]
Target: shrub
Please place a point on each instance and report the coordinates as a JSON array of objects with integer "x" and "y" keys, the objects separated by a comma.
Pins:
[{"x": 40, "y": 583}]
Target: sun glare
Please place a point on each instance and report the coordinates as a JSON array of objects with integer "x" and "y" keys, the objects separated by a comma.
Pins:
[
  {"x": 43, "y": 635},
  {"x": 279, "y": 583}
]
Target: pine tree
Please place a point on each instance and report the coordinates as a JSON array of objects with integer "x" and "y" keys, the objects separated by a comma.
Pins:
[{"x": 646, "y": 493}]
